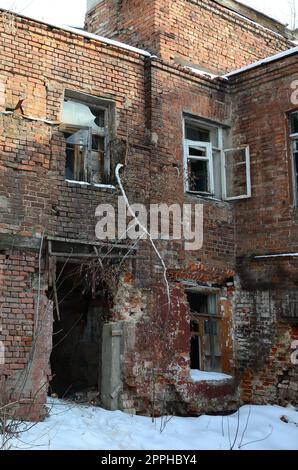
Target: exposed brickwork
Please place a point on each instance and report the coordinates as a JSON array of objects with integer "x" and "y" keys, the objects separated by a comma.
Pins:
[
  {"x": 25, "y": 334},
  {"x": 262, "y": 103},
  {"x": 197, "y": 32},
  {"x": 35, "y": 198},
  {"x": 158, "y": 378},
  {"x": 151, "y": 95}
]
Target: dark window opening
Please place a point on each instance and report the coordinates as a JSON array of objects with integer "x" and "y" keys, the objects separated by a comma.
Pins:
[
  {"x": 198, "y": 176},
  {"x": 197, "y": 134},
  {"x": 205, "y": 326}
]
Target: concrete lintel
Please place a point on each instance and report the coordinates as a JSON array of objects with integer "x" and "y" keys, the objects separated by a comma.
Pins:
[{"x": 10, "y": 242}]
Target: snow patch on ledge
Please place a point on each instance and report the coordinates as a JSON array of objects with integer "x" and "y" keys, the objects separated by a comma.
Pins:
[
  {"x": 200, "y": 376},
  {"x": 280, "y": 255},
  {"x": 93, "y": 185}
]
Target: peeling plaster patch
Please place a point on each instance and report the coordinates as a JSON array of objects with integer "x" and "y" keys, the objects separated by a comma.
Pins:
[
  {"x": 154, "y": 138},
  {"x": 128, "y": 103},
  {"x": 2, "y": 94},
  {"x": 4, "y": 204}
]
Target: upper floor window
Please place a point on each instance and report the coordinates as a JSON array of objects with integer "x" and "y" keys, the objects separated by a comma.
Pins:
[
  {"x": 294, "y": 143},
  {"x": 211, "y": 167},
  {"x": 86, "y": 125}
]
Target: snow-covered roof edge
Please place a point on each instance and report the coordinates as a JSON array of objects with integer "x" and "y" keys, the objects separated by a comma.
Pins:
[
  {"x": 279, "y": 255},
  {"x": 268, "y": 60},
  {"x": 86, "y": 34}
]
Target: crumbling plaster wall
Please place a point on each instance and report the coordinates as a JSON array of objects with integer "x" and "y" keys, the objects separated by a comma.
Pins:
[{"x": 155, "y": 355}]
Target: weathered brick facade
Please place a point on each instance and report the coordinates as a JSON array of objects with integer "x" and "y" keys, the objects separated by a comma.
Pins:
[
  {"x": 148, "y": 342},
  {"x": 199, "y": 33}
]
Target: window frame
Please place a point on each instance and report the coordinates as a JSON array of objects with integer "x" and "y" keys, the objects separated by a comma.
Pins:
[
  {"x": 209, "y": 159},
  {"x": 248, "y": 173},
  {"x": 100, "y": 104},
  {"x": 199, "y": 318},
  {"x": 220, "y": 171},
  {"x": 209, "y": 126},
  {"x": 293, "y": 140}
]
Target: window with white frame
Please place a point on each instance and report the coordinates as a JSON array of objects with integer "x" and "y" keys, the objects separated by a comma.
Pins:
[
  {"x": 86, "y": 125},
  {"x": 211, "y": 167},
  {"x": 294, "y": 144}
]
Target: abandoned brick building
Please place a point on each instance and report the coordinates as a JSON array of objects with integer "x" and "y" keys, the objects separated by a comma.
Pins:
[{"x": 179, "y": 93}]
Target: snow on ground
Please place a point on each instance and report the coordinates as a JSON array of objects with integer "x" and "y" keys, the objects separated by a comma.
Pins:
[
  {"x": 200, "y": 376},
  {"x": 75, "y": 427}
]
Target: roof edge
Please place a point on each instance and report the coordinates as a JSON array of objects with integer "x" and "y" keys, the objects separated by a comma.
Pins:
[
  {"x": 83, "y": 33},
  {"x": 267, "y": 60},
  {"x": 257, "y": 17}
]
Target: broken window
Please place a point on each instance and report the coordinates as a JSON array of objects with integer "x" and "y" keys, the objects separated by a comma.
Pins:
[
  {"x": 205, "y": 325},
  {"x": 294, "y": 143},
  {"x": 209, "y": 169},
  {"x": 86, "y": 128}
]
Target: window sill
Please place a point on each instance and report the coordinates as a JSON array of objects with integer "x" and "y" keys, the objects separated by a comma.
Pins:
[
  {"x": 201, "y": 376},
  {"x": 89, "y": 185},
  {"x": 205, "y": 197}
]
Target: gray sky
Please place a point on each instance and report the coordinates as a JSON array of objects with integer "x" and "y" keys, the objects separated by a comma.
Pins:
[{"x": 71, "y": 12}]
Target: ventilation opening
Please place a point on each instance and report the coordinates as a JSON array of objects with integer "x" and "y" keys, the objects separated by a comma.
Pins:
[{"x": 77, "y": 333}]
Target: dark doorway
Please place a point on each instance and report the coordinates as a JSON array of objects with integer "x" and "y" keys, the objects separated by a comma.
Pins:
[{"x": 76, "y": 355}]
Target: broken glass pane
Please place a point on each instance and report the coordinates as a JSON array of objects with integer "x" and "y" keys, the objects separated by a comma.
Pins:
[
  {"x": 85, "y": 134},
  {"x": 82, "y": 115},
  {"x": 80, "y": 137}
]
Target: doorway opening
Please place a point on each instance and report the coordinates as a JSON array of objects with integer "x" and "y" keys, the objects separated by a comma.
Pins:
[{"x": 81, "y": 309}]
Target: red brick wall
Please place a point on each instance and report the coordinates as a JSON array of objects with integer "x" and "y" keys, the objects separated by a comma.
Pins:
[
  {"x": 32, "y": 158},
  {"x": 26, "y": 336},
  {"x": 266, "y": 286},
  {"x": 198, "y": 32},
  {"x": 261, "y": 104},
  {"x": 174, "y": 93},
  {"x": 150, "y": 100},
  {"x": 35, "y": 199}
]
